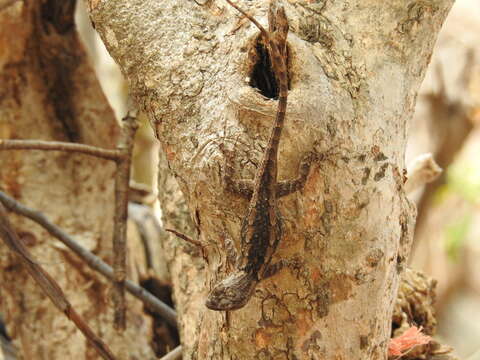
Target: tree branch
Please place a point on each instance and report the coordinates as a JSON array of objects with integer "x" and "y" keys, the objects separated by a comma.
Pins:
[
  {"x": 107, "y": 154},
  {"x": 122, "y": 177},
  {"x": 49, "y": 285},
  {"x": 122, "y": 156},
  {"x": 90, "y": 259}
]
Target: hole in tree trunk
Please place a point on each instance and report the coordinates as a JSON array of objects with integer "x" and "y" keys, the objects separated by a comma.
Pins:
[{"x": 262, "y": 76}]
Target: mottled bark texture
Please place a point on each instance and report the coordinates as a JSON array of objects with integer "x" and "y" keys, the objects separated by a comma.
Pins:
[
  {"x": 49, "y": 92},
  {"x": 354, "y": 70}
]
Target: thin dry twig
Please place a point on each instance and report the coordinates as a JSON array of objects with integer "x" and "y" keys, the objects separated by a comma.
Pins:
[
  {"x": 175, "y": 354},
  {"x": 186, "y": 238},
  {"x": 90, "y": 259},
  {"x": 48, "y": 285},
  {"x": 122, "y": 177},
  {"x": 249, "y": 17},
  {"x": 107, "y": 154},
  {"x": 194, "y": 242}
]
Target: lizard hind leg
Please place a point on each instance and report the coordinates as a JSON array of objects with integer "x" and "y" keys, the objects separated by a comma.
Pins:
[
  {"x": 242, "y": 188},
  {"x": 290, "y": 186}
]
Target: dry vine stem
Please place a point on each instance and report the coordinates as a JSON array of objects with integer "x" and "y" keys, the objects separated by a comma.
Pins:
[
  {"x": 48, "y": 285},
  {"x": 122, "y": 157}
]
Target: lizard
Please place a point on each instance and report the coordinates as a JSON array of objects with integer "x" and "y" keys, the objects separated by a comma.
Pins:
[{"x": 261, "y": 227}]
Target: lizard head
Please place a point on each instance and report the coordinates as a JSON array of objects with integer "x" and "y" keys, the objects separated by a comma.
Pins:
[{"x": 233, "y": 292}]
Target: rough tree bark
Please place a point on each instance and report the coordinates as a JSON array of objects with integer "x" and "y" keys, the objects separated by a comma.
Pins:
[
  {"x": 355, "y": 68},
  {"x": 48, "y": 91}
]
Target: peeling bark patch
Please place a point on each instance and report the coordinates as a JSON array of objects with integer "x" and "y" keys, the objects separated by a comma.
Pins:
[
  {"x": 366, "y": 175},
  {"x": 381, "y": 173},
  {"x": 313, "y": 342}
]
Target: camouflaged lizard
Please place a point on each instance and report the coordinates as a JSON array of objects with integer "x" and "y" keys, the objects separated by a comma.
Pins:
[{"x": 261, "y": 228}]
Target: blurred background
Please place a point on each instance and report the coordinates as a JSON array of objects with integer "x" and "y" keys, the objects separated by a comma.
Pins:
[{"x": 446, "y": 124}]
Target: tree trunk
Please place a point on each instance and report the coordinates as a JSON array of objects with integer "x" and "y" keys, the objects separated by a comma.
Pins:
[
  {"x": 354, "y": 71},
  {"x": 48, "y": 91}
]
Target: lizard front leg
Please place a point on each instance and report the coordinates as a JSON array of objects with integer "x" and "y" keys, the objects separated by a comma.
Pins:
[{"x": 244, "y": 188}]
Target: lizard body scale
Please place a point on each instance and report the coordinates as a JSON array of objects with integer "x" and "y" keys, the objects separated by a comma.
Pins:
[{"x": 261, "y": 227}]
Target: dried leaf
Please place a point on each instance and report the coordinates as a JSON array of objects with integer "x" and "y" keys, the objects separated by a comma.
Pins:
[{"x": 410, "y": 338}]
